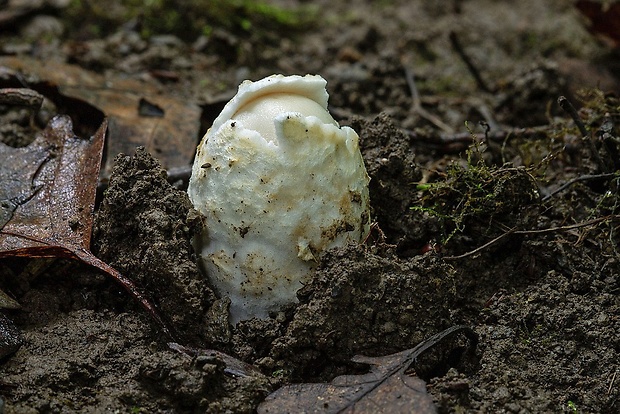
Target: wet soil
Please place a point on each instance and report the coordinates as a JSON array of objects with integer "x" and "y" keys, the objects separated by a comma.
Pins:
[{"x": 473, "y": 224}]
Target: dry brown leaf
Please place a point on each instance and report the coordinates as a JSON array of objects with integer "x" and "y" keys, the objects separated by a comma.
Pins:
[
  {"x": 50, "y": 189},
  {"x": 139, "y": 113},
  {"x": 387, "y": 388},
  {"x": 48, "y": 196}
]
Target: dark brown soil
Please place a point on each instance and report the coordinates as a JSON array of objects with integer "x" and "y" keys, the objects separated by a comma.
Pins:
[{"x": 470, "y": 229}]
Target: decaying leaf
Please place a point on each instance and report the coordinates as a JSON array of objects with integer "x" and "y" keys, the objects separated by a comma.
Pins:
[
  {"x": 387, "y": 388},
  {"x": 48, "y": 195},
  {"x": 16, "y": 181},
  {"x": 51, "y": 187},
  {"x": 139, "y": 113}
]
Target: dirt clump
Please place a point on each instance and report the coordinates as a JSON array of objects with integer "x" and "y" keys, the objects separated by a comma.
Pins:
[
  {"x": 364, "y": 303},
  {"x": 144, "y": 228},
  {"x": 390, "y": 161}
]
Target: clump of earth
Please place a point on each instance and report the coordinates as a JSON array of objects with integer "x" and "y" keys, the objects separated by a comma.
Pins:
[{"x": 473, "y": 224}]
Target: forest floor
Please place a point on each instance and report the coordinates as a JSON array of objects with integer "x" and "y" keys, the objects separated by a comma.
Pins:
[{"x": 495, "y": 212}]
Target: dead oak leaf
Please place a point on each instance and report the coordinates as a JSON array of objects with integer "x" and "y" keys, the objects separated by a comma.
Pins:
[
  {"x": 48, "y": 196},
  {"x": 139, "y": 112},
  {"x": 50, "y": 192},
  {"x": 387, "y": 388},
  {"x": 15, "y": 175}
]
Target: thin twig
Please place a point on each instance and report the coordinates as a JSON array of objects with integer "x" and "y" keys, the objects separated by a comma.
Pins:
[
  {"x": 576, "y": 180},
  {"x": 21, "y": 97},
  {"x": 488, "y": 117},
  {"x": 529, "y": 232},
  {"x": 453, "y": 143},
  {"x": 413, "y": 89},
  {"x": 570, "y": 109},
  {"x": 497, "y": 135},
  {"x": 458, "y": 48},
  {"x": 417, "y": 104},
  {"x": 484, "y": 246},
  {"x": 570, "y": 226},
  {"x": 567, "y": 106},
  {"x": 179, "y": 173},
  {"x": 611, "y": 385}
]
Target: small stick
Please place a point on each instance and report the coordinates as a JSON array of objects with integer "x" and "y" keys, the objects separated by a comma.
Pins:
[
  {"x": 484, "y": 246},
  {"x": 611, "y": 385},
  {"x": 528, "y": 232},
  {"x": 570, "y": 109},
  {"x": 490, "y": 121},
  {"x": 179, "y": 173},
  {"x": 458, "y": 48},
  {"x": 576, "y": 180},
  {"x": 417, "y": 105},
  {"x": 453, "y": 143},
  {"x": 413, "y": 89},
  {"x": 23, "y": 97}
]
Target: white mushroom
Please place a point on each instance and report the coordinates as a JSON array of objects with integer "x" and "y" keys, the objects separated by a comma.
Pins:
[{"x": 278, "y": 182}]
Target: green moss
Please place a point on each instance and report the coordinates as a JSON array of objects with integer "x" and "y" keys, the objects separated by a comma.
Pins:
[
  {"x": 572, "y": 407},
  {"x": 476, "y": 195},
  {"x": 187, "y": 18},
  {"x": 599, "y": 107}
]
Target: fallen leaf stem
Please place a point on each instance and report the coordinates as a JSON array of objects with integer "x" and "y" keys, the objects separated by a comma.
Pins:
[{"x": 87, "y": 257}]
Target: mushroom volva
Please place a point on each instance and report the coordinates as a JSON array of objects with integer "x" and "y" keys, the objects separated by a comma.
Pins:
[{"x": 278, "y": 181}]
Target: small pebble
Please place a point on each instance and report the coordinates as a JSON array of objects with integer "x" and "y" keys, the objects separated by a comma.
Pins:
[{"x": 10, "y": 338}]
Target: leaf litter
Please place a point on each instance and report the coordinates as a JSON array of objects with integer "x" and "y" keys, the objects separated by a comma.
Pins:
[
  {"x": 139, "y": 113},
  {"x": 50, "y": 195},
  {"x": 387, "y": 388},
  {"x": 52, "y": 185}
]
